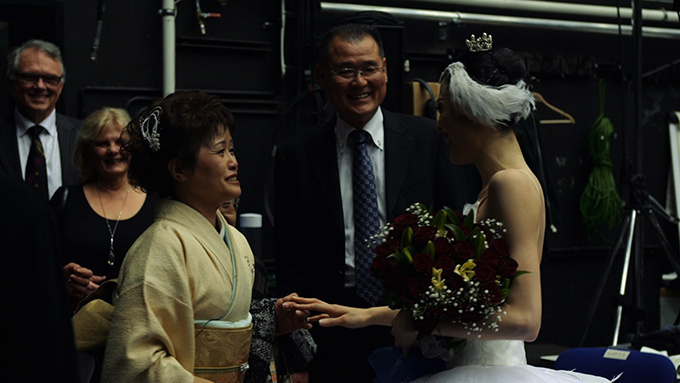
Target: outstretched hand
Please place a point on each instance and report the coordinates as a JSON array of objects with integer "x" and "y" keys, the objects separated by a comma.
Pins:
[
  {"x": 290, "y": 318},
  {"x": 331, "y": 315}
]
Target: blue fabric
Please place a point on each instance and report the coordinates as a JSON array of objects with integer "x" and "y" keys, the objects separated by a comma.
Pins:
[
  {"x": 391, "y": 366},
  {"x": 634, "y": 366},
  {"x": 366, "y": 216}
]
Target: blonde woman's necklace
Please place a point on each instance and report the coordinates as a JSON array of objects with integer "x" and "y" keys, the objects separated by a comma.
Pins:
[{"x": 112, "y": 255}]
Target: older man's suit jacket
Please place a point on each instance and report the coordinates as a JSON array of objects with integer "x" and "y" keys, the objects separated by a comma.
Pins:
[
  {"x": 309, "y": 224},
  {"x": 67, "y": 129}
]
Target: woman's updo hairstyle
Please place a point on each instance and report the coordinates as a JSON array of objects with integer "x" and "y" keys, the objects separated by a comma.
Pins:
[
  {"x": 489, "y": 85},
  {"x": 495, "y": 67},
  {"x": 174, "y": 127}
]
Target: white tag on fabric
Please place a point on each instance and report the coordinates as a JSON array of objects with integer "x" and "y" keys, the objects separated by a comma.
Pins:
[{"x": 616, "y": 354}]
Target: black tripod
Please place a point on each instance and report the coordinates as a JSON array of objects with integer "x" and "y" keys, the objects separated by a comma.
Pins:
[
  {"x": 632, "y": 230},
  {"x": 641, "y": 204}
]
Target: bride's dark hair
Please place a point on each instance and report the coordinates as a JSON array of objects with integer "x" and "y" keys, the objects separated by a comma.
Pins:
[
  {"x": 496, "y": 67},
  {"x": 490, "y": 87}
]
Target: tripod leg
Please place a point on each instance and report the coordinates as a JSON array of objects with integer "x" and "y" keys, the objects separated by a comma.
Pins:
[
  {"x": 624, "y": 277},
  {"x": 626, "y": 226}
]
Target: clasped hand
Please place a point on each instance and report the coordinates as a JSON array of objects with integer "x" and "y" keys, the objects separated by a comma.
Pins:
[
  {"x": 80, "y": 281},
  {"x": 290, "y": 318}
]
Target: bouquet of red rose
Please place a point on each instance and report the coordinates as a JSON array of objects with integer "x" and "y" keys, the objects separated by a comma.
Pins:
[{"x": 443, "y": 265}]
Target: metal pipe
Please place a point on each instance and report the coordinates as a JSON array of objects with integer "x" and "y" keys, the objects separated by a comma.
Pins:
[
  {"x": 168, "y": 15},
  {"x": 637, "y": 84},
  {"x": 654, "y": 15},
  {"x": 507, "y": 21},
  {"x": 282, "y": 39}
]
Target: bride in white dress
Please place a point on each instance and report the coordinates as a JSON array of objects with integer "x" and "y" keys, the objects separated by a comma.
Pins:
[{"x": 482, "y": 97}]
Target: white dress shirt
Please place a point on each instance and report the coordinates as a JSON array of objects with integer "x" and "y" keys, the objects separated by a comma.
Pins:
[
  {"x": 50, "y": 141},
  {"x": 376, "y": 150}
]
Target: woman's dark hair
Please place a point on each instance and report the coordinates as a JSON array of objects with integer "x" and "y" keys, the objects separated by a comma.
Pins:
[
  {"x": 495, "y": 67},
  {"x": 188, "y": 120}
]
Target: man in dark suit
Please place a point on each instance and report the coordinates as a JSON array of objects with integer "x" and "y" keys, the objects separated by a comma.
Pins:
[
  {"x": 36, "y": 78},
  {"x": 314, "y": 223},
  {"x": 36, "y": 322}
]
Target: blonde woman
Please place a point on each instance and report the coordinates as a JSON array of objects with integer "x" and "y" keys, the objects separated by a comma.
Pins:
[{"x": 100, "y": 218}]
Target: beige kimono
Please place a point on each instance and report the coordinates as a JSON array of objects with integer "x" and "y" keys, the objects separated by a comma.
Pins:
[{"x": 178, "y": 270}]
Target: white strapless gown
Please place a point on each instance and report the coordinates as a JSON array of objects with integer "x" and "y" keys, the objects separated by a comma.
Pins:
[{"x": 503, "y": 361}]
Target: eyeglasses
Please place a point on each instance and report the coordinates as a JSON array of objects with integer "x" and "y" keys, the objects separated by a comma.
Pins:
[
  {"x": 32, "y": 78},
  {"x": 234, "y": 202},
  {"x": 350, "y": 73}
]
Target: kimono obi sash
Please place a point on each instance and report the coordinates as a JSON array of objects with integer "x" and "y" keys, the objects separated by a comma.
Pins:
[{"x": 222, "y": 349}]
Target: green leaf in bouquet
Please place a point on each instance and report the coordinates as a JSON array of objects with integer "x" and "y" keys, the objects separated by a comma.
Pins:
[
  {"x": 403, "y": 255},
  {"x": 517, "y": 274},
  {"x": 429, "y": 249},
  {"x": 407, "y": 237},
  {"x": 440, "y": 219},
  {"x": 469, "y": 220},
  {"x": 451, "y": 215},
  {"x": 407, "y": 254},
  {"x": 458, "y": 233},
  {"x": 477, "y": 241}
]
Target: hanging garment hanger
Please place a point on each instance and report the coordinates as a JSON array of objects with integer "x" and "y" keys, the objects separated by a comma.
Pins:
[{"x": 569, "y": 119}]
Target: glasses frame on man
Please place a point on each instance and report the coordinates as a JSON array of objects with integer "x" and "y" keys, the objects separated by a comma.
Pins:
[
  {"x": 352, "y": 73},
  {"x": 33, "y": 78}
]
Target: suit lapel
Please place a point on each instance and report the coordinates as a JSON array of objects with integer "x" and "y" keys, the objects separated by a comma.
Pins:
[
  {"x": 324, "y": 167},
  {"x": 67, "y": 132},
  {"x": 9, "y": 150},
  {"x": 398, "y": 154}
]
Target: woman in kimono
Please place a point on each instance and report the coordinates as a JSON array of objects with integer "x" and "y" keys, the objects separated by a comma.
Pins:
[{"x": 183, "y": 300}]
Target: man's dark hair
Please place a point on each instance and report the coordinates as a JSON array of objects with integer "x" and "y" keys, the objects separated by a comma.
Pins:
[{"x": 352, "y": 32}]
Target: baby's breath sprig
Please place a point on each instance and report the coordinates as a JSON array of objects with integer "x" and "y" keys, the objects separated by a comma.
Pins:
[{"x": 493, "y": 228}]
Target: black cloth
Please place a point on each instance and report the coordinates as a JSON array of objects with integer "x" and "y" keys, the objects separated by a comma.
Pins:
[
  {"x": 298, "y": 345},
  {"x": 85, "y": 238},
  {"x": 67, "y": 130},
  {"x": 309, "y": 222},
  {"x": 36, "y": 336}
]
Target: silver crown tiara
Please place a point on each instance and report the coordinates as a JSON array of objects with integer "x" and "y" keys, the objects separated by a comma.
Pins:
[
  {"x": 481, "y": 44},
  {"x": 150, "y": 129}
]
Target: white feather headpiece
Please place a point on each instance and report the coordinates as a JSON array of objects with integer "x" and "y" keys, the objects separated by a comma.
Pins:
[{"x": 488, "y": 104}]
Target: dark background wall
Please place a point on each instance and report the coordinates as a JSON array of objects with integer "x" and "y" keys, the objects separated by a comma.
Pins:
[{"x": 263, "y": 71}]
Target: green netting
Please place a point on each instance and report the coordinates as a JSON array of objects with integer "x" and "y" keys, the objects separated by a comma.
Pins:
[{"x": 601, "y": 206}]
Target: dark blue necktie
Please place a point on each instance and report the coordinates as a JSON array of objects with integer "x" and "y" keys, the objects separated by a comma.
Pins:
[
  {"x": 366, "y": 216},
  {"x": 36, "y": 167}
]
